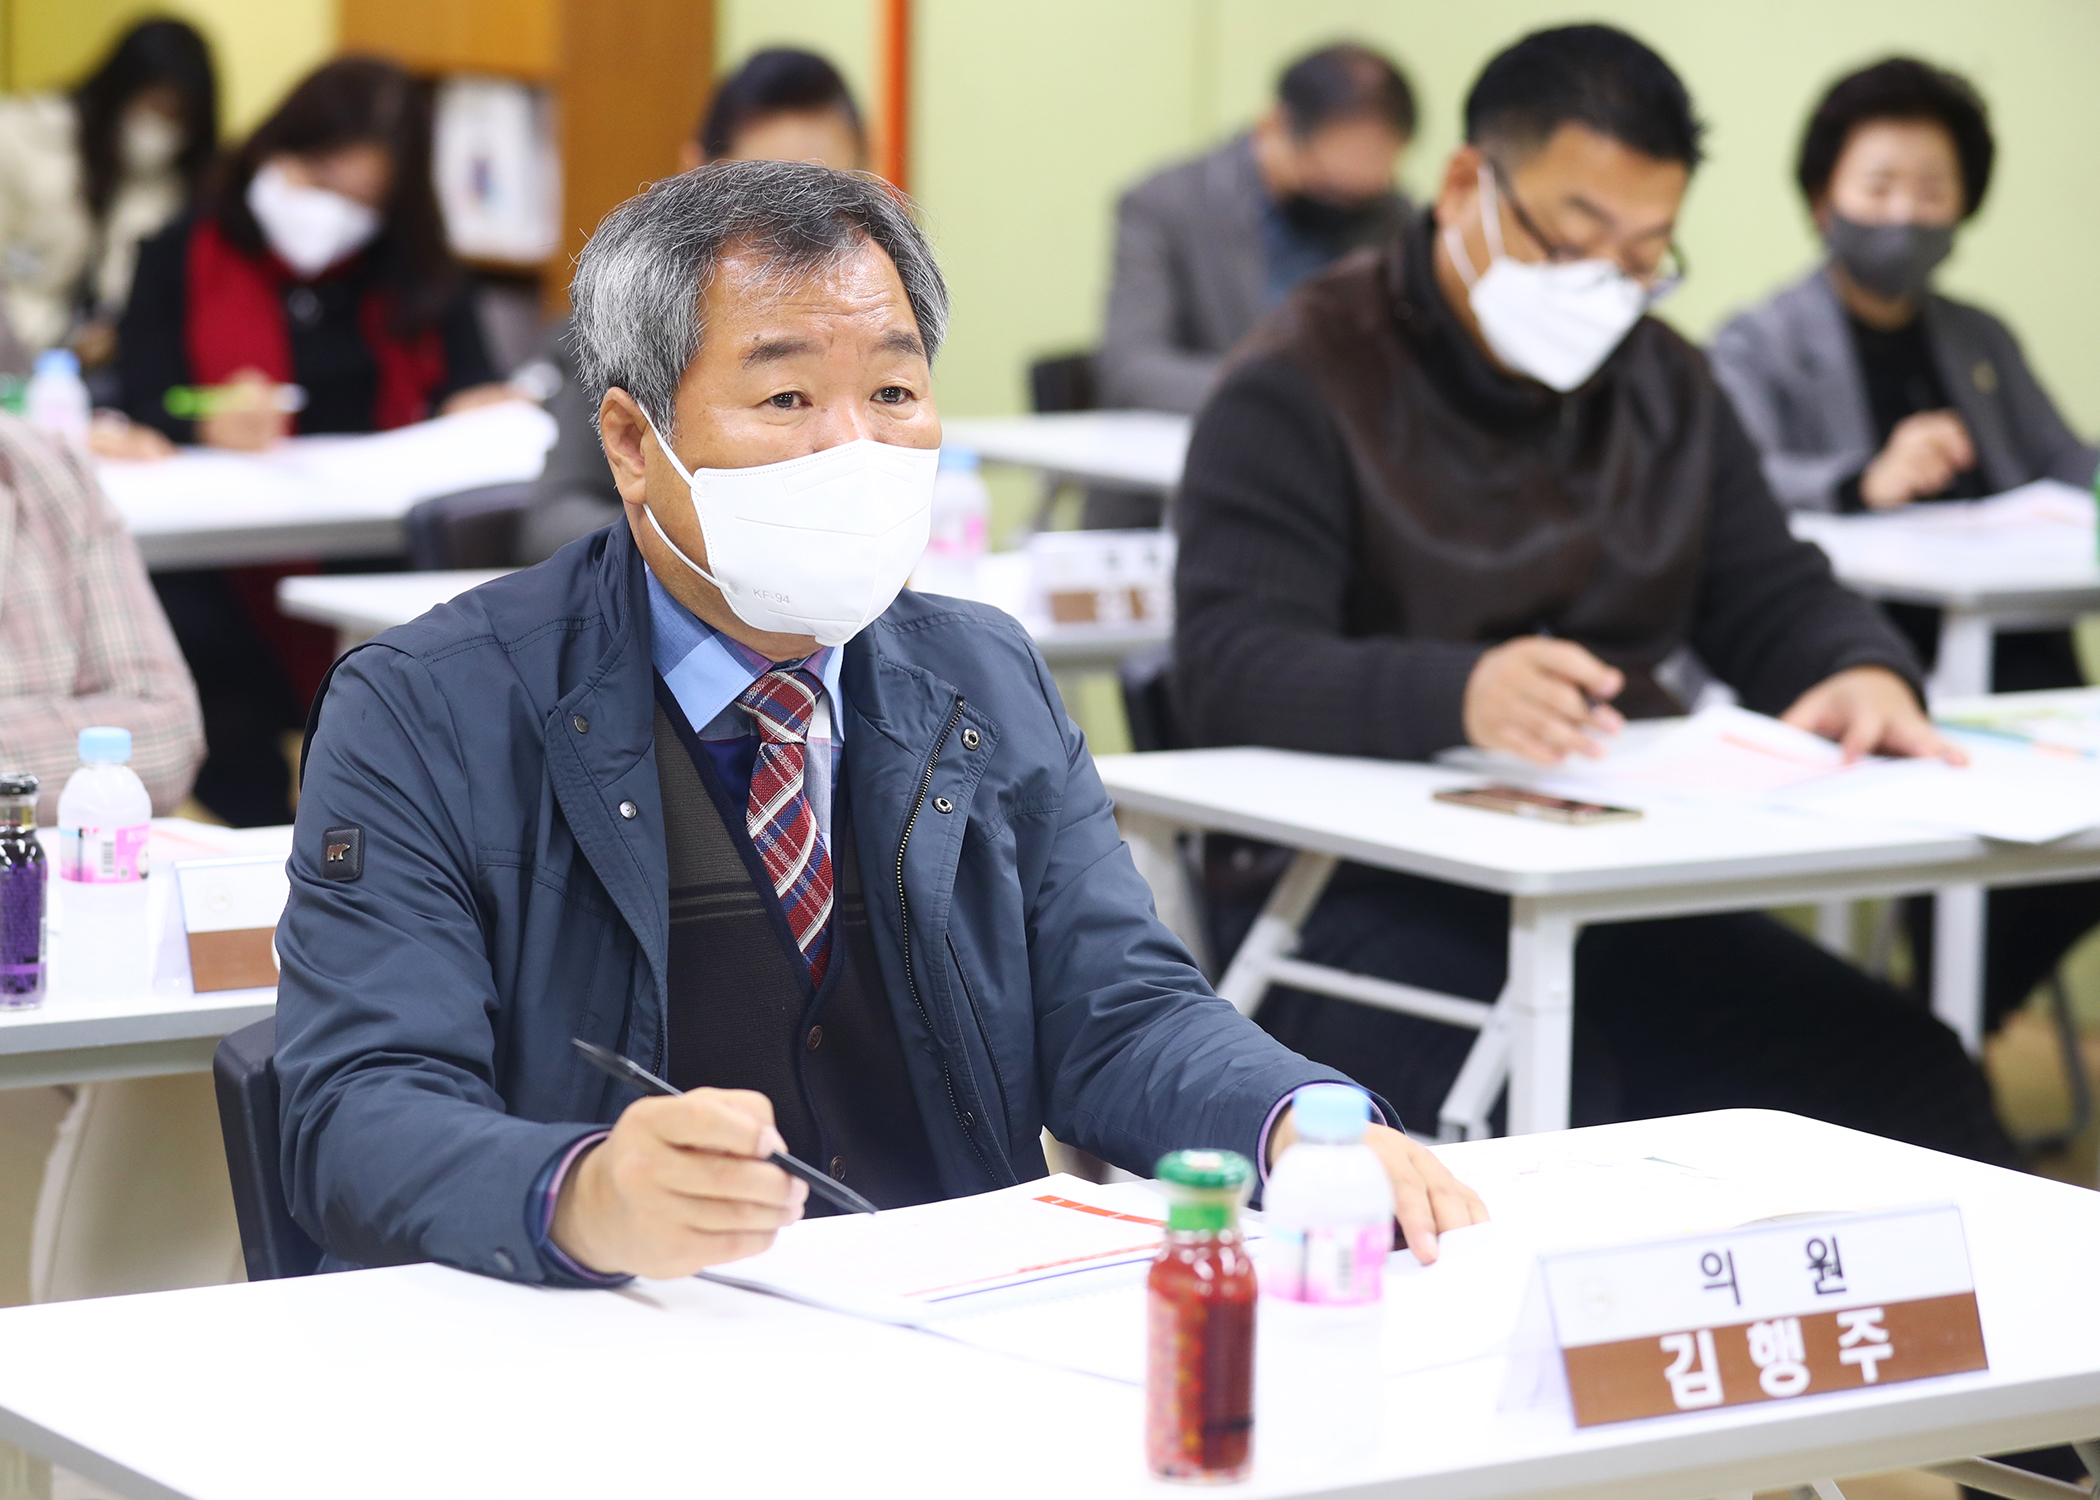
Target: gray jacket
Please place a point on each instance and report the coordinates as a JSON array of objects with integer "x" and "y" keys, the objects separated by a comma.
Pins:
[
  {"x": 1791, "y": 368},
  {"x": 493, "y": 768},
  {"x": 1191, "y": 277}
]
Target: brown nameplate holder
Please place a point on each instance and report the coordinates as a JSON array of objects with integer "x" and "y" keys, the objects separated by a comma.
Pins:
[
  {"x": 1768, "y": 1312},
  {"x": 230, "y": 909}
]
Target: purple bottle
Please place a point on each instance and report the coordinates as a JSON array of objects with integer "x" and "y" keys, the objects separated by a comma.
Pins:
[{"x": 22, "y": 874}]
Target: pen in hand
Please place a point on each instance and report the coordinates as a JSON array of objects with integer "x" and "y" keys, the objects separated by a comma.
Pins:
[{"x": 627, "y": 1071}]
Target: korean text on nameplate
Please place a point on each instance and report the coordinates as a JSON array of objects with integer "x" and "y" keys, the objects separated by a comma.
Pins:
[{"x": 1768, "y": 1312}]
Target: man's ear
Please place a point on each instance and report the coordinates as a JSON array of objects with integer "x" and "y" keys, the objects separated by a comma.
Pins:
[
  {"x": 1460, "y": 188},
  {"x": 625, "y": 436}
]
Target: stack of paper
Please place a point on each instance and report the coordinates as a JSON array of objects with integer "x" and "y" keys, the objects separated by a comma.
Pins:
[
  {"x": 380, "y": 475},
  {"x": 1055, "y": 1270},
  {"x": 2010, "y": 790},
  {"x": 2044, "y": 529},
  {"x": 899, "y": 1264}
]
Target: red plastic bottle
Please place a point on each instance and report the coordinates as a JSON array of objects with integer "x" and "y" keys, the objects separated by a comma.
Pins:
[{"x": 1199, "y": 1381}]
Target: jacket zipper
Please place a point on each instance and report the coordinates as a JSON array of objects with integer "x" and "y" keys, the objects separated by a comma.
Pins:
[{"x": 911, "y": 980}]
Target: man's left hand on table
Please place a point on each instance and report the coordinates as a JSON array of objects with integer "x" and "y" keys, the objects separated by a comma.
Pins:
[
  {"x": 1870, "y": 710},
  {"x": 1427, "y": 1199}
]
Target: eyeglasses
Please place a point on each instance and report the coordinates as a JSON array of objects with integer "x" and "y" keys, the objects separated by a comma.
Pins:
[{"x": 1656, "y": 281}]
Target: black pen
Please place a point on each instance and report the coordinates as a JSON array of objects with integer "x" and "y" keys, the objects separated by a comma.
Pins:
[{"x": 836, "y": 1193}]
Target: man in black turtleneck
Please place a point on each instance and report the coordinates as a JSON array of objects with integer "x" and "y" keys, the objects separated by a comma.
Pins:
[{"x": 1463, "y": 491}]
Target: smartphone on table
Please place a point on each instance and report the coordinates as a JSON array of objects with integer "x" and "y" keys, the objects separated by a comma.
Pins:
[{"x": 1524, "y": 802}]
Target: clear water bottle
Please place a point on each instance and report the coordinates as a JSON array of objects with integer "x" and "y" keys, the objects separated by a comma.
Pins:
[
  {"x": 22, "y": 890},
  {"x": 959, "y": 529},
  {"x": 104, "y": 820},
  {"x": 57, "y": 398},
  {"x": 1328, "y": 1220}
]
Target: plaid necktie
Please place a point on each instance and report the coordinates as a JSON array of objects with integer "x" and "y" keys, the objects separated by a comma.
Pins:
[{"x": 777, "y": 815}]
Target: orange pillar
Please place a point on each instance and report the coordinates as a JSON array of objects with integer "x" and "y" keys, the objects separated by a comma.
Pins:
[{"x": 893, "y": 59}]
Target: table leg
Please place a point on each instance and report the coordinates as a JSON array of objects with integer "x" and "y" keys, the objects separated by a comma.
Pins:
[
  {"x": 1834, "y": 926},
  {"x": 1541, "y": 1003},
  {"x": 1155, "y": 848},
  {"x": 1464, "y": 1115},
  {"x": 1274, "y": 934},
  {"x": 1957, "y": 962},
  {"x": 1964, "y": 666}
]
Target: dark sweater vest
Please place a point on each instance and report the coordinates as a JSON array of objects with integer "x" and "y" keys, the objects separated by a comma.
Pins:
[{"x": 743, "y": 1014}]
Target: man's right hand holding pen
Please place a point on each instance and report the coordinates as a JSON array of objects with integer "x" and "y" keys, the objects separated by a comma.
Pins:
[
  {"x": 679, "y": 1184},
  {"x": 1542, "y": 698}
]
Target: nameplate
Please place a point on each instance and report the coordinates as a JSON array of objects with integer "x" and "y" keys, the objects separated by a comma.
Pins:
[
  {"x": 230, "y": 909},
  {"x": 1768, "y": 1312}
]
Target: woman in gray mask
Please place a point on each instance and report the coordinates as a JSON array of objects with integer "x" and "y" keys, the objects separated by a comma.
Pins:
[{"x": 1865, "y": 389}]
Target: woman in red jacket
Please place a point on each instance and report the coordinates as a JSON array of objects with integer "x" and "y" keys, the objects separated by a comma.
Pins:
[{"x": 316, "y": 259}]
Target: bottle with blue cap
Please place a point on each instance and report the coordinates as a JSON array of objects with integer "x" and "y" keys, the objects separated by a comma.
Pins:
[
  {"x": 958, "y": 529},
  {"x": 57, "y": 398},
  {"x": 99, "y": 947},
  {"x": 1328, "y": 1207},
  {"x": 1327, "y": 1217}
]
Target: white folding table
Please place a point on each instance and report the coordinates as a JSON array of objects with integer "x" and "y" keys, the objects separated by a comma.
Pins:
[
  {"x": 1676, "y": 860},
  {"x": 1143, "y": 450},
  {"x": 2031, "y": 576},
  {"x": 420, "y": 1381},
  {"x": 164, "y": 1028},
  {"x": 360, "y": 605},
  {"x": 318, "y": 497}
]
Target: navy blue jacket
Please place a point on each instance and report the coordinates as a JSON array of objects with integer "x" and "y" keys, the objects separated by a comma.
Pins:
[{"x": 497, "y": 758}]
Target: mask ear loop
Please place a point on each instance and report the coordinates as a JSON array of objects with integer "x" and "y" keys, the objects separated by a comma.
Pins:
[
  {"x": 1490, "y": 226},
  {"x": 650, "y": 511}
]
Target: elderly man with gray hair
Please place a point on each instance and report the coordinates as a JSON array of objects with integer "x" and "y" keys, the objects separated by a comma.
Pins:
[{"x": 710, "y": 790}]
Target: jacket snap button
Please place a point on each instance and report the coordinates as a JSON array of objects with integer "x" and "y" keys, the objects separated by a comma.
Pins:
[
  {"x": 628, "y": 809},
  {"x": 838, "y": 1168},
  {"x": 970, "y": 1119},
  {"x": 815, "y": 1039},
  {"x": 583, "y": 725},
  {"x": 943, "y": 805},
  {"x": 971, "y": 739}
]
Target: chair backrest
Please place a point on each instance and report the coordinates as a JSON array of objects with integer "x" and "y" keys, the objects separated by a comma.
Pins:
[
  {"x": 475, "y": 528},
  {"x": 1148, "y": 702},
  {"x": 244, "y": 1074},
  {"x": 1063, "y": 382}
]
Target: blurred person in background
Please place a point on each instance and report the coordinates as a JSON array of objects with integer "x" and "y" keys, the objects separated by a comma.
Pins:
[
  {"x": 783, "y": 104},
  {"x": 83, "y": 642},
  {"x": 86, "y": 176},
  {"x": 1205, "y": 247},
  {"x": 1863, "y": 388},
  {"x": 1866, "y": 390},
  {"x": 82, "y": 638},
  {"x": 1468, "y": 492},
  {"x": 316, "y": 258}
]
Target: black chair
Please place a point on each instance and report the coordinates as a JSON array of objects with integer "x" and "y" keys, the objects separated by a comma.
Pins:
[
  {"x": 468, "y": 528},
  {"x": 1148, "y": 703},
  {"x": 1063, "y": 382},
  {"x": 244, "y": 1075}
]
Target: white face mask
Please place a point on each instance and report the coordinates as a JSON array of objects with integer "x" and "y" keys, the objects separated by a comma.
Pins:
[
  {"x": 310, "y": 228},
  {"x": 1554, "y": 322},
  {"x": 816, "y": 546},
  {"x": 147, "y": 142}
]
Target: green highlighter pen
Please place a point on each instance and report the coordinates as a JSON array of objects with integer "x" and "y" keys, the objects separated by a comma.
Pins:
[{"x": 196, "y": 402}]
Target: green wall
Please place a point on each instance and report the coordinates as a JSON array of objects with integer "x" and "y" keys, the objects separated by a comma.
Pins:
[
  {"x": 1029, "y": 119},
  {"x": 263, "y": 46}
]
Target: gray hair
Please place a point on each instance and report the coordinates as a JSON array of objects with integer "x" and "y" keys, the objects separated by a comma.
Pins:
[{"x": 639, "y": 284}]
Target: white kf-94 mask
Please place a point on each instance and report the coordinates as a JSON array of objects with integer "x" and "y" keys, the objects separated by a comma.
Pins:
[{"x": 818, "y": 545}]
